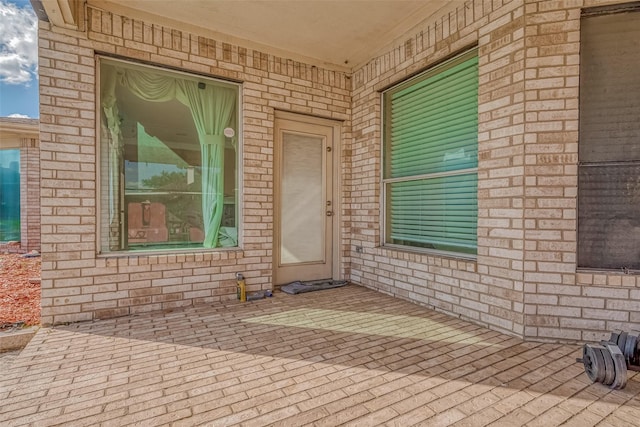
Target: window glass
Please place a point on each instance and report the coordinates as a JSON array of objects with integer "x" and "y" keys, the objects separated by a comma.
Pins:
[
  {"x": 431, "y": 158},
  {"x": 609, "y": 144},
  {"x": 168, "y": 159},
  {"x": 9, "y": 195},
  {"x": 609, "y": 228}
]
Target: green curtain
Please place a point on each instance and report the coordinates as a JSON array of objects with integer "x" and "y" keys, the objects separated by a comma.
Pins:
[
  {"x": 212, "y": 108},
  {"x": 112, "y": 116}
]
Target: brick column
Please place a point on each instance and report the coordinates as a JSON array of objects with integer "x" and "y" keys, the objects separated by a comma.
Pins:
[
  {"x": 30, "y": 194},
  {"x": 500, "y": 168}
]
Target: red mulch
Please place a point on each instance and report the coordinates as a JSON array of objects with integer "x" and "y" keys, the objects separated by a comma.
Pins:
[{"x": 19, "y": 292}]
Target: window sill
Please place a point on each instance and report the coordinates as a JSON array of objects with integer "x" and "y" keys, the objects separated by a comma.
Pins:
[
  {"x": 431, "y": 252},
  {"x": 165, "y": 252},
  {"x": 617, "y": 271}
]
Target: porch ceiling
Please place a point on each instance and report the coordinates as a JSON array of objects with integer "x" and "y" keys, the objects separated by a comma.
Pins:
[{"x": 341, "y": 34}]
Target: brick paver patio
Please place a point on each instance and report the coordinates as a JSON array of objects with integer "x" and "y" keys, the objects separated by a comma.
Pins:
[{"x": 344, "y": 356}]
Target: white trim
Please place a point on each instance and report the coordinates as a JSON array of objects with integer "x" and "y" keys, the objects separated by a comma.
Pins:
[
  {"x": 336, "y": 150},
  {"x": 430, "y": 175}
]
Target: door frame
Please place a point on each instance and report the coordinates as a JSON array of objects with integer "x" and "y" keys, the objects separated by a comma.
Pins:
[{"x": 336, "y": 178}]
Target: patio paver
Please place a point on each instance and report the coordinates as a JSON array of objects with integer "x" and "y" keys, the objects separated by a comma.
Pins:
[{"x": 344, "y": 356}]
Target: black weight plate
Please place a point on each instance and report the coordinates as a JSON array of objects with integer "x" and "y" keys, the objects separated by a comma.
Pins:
[
  {"x": 589, "y": 361},
  {"x": 614, "y": 337},
  {"x": 600, "y": 366},
  {"x": 635, "y": 358},
  {"x": 593, "y": 362},
  {"x": 630, "y": 348},
  {"x": 620, "y": 366},
  {"x": 622, "y": 341},
  {"x": 610, "y": 368}
]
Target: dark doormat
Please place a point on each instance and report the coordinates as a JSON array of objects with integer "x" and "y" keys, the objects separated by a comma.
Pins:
[{"x": 311, "y": 286}]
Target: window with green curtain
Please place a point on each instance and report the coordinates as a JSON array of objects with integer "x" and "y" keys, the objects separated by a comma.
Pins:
[
  {"x": 169, "y": 143},
  {"x": 431, "y": 158}
]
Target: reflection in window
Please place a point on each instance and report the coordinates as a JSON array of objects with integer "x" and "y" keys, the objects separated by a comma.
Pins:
[
  {"x": 9, "y": 195},
  {"x": 168, "y": 150},
  {"x": 609, "y": 148}
]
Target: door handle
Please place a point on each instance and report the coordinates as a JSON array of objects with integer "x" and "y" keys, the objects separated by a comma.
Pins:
[{"x": 329, "y": 213}]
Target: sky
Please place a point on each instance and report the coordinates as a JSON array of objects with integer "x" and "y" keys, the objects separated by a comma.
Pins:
[{"x": 18, "y": 59}]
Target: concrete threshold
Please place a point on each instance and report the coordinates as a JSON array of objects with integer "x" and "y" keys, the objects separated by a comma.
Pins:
[{"x": 16, "y": 339}]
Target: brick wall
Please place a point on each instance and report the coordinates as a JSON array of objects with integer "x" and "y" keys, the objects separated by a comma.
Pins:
[
  {"x": 524, "y": 280},
  {"x": 561, "y": 303},
  {"x": 78, "y": 285}
]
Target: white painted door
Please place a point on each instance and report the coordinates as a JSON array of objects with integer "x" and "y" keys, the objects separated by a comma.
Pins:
[{"x": 304, "y": 205}]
